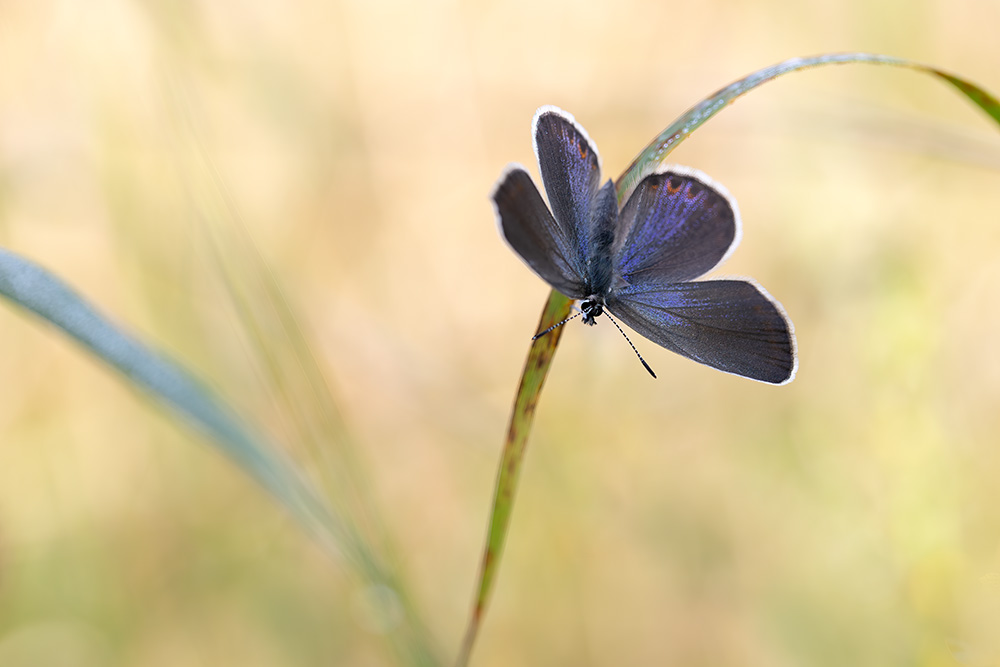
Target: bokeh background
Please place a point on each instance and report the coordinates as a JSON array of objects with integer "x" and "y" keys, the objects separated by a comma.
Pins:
[{"x": 852, "y": 517}]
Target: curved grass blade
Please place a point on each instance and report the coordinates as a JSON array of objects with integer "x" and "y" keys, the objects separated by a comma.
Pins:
[
  {"x": 656, "y": 152},
  {"x": 535, "y": 369},
  {"x": 32, "y": 287},
  {"x": 40, "y": 292},
  {"x": 537, "y": 365}
]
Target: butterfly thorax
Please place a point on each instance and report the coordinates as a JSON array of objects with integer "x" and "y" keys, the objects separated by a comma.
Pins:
[{"x": 603, "y": 217}]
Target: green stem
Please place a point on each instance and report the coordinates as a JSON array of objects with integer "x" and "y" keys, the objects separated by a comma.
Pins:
[{"x": 532, "y": 378}]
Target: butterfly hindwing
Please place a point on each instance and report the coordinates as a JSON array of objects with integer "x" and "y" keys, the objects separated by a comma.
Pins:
[{"x": 732, "y": 325}]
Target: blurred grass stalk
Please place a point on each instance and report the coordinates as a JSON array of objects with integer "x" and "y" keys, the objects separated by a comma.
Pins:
[
  {"x": 324, "y": 485},
  {"x": 292, "y": 376},
  {"x": 297, "y": 384},
  {"x": 557, "y": 307}
]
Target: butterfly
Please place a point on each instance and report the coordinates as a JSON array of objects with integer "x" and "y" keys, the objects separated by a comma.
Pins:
[{"x": 639, "y": 261}]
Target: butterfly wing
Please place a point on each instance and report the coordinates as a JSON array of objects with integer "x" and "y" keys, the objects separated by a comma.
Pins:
[
  {"x": 732, "y": 325},
  {"x": 677, "y": 225},
  {"x": 571, "y": 173},
  {"x": 531, "y": 231},
  {"x": 554, "y": 244}
]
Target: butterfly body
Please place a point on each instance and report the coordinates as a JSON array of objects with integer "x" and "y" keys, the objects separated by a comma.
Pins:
[{"x": 638, "y": 260}]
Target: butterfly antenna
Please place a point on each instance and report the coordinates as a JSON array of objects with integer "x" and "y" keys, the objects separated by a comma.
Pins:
[
  {"x": 554, "y": 326},
  {"x": 630, "y": 343}
]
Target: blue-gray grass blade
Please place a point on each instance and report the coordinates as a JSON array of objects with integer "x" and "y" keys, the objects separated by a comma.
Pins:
[
  {"x": 537, "y": 365},
  {"x": 37, "y": 290}
]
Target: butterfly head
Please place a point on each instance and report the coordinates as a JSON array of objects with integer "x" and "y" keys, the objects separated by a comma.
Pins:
[{"x": 592, "y": 307}]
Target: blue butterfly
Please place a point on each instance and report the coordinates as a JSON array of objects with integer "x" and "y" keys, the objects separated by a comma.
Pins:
[{"x": 639, "y": 262}]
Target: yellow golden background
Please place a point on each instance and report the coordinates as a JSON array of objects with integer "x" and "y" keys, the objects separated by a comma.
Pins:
[{"x": 850, "y": 518}]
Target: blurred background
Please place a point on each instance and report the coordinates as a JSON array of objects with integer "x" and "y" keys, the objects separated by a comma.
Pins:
[{"x": 852, "y": 517}]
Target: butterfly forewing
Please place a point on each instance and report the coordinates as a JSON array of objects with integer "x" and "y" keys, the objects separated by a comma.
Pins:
[
  {"x": 531, "y": 231},
  {"x": 676, "y": 226},
  {"x": 571, "y": 174},
  {"x": 732, "y": 325}
]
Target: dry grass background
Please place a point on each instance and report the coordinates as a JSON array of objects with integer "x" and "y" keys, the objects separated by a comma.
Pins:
[{"x": 851, "y": 518}]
